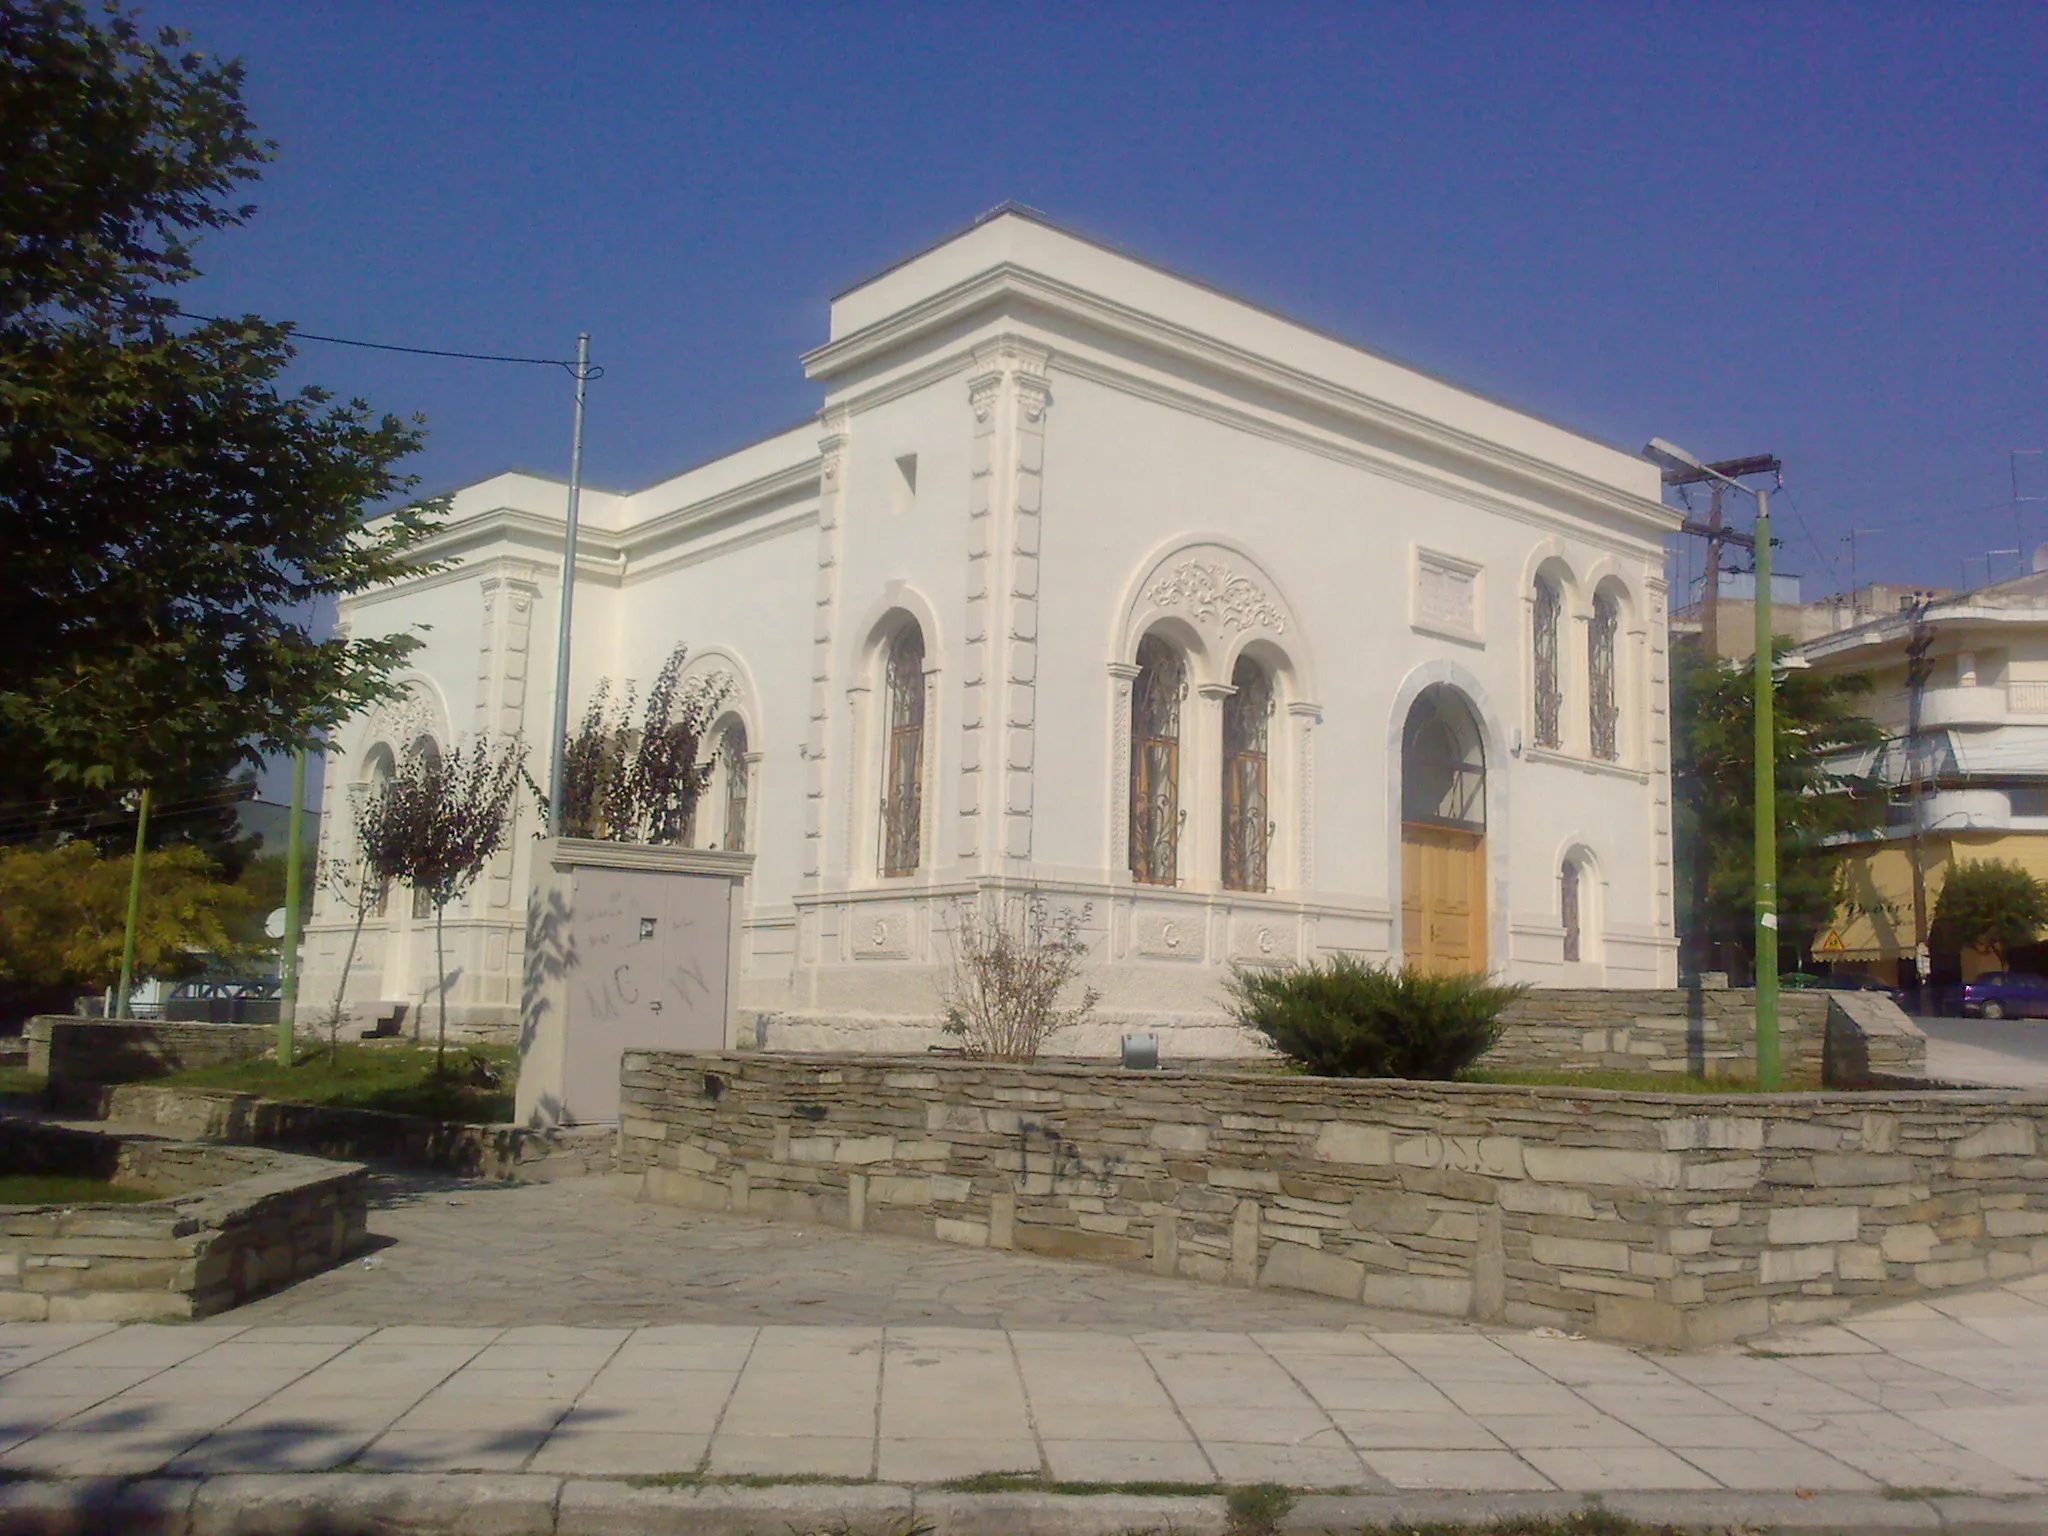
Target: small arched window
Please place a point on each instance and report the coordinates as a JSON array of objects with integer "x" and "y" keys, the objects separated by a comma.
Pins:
[
  {"x": 1605, "y": 711},
  {"x": 1568, "y": 911},
  {"x": 732, "y": 756},
  {"x": 377, "y": 773},
  {"x": 1156, "y": 697},
  {"x": 1247, "y": 822},
  {"x": 1549, "y": 688},
  {"x": 903, "y": 782}
]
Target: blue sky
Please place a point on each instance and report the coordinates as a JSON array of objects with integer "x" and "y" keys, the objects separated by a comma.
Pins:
[{"x": 1816, "y": 230}]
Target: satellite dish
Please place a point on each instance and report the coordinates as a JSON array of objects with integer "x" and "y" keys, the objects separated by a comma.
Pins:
[{"x": 273, "y": 925}]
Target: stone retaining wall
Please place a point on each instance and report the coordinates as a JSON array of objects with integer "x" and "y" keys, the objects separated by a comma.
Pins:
[
  {"x": 1703, "y": 1032},
  {"x": 69, "y": 1050},
  {"x": 481, "y": 1151},
  {"x": 238, "y": 1222},
  {"x": 1659, "y": 1218}
]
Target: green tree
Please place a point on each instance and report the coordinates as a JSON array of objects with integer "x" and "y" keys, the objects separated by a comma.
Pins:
[
  {"x": 1713, "y": 771},
  {"x": 1992, "y": 905},
  {"x": 435, "y": 824},
  {"x": 62, "y": 912},
  {"x": 171, "y": 517}
]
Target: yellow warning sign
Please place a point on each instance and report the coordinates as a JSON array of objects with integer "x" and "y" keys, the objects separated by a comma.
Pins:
[{"x": 1830, "y": 943}]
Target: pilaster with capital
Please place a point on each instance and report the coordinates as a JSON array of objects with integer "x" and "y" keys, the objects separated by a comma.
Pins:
[
  {"x": 1305, "y": 717},
  {"x": 1654, "y": 700},
  {"x": 1010, "y": 399},
  {"x": 1122, "y": 676},
  {"x": 831, "y": 514}
]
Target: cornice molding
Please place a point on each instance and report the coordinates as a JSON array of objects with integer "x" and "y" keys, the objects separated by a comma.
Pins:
[{"x": 1007, "y": 281}]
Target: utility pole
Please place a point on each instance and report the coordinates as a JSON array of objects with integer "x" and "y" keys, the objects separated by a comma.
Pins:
[
  {"x": 559, "y": 739},
  {"x": 1918, "y": 667},
  {"x": 134, "y": 905},
  {"x": 1718, "y": 535}
]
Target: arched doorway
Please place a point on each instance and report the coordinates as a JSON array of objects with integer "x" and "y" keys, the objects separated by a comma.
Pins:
[{"x": 1443, "y": 834}]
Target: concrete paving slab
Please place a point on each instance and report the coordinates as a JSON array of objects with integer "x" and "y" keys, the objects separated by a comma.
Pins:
[
  {"x": 25, "y": 1343},
  {"x": 1480, "y": 1395},
  {"x": 1127, "y": 1461},
  {"x": 1459, "y": 1470},
  {"x": 1787, "y": 1465},
  {"x": 643, "y": 1415},
  {"x": 617, "y": 1384},
  {"x": 499, "y": 1385},
  {"x": 619, "y": 1452},
  {"x": 1089, "y": 1421},
  {"x": 1401, "y": 1429},
  {"x": 146, "y": 1344},
  {"x": 730, "y": 1356},
  {"x": 1725, "y": 1430},
  {"x": 1306, "y": 1425},
  {"x": 414, "y": 1448},
  {"x": 1602, "y": 1469},
  {"x": 1293, "y": 1466},
  {"x": 793, "y": 1455},
  {"x": 937, "y": 1461},
  {"x": 2014, "y": 1436},
  {"x": 1585, "y": 1428}
]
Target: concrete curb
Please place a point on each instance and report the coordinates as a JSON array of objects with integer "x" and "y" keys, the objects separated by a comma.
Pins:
[{"x": 527, "y": 1504}]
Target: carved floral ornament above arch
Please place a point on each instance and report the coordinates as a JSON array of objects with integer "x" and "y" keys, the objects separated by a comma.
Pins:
[
  {"x": 1217, "y": 592},
  {"x": 401, "y": 721}
]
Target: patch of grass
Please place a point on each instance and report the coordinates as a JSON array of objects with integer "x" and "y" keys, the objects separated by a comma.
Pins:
[
  {"x": 1914, "y": 1493},
  {"x": 1258, "y": 1509},
  {"x": 18, "y": 1083},
  {"x": 396, "y": 1078},
  {"x": 1626, "y": 1082},
  {"x": 70, "y": 1189}
]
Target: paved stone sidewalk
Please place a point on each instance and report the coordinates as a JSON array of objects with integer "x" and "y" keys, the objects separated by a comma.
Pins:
[
  {"x": 581, "y": 1252},
  {"x": 1951, "y": 1395}
]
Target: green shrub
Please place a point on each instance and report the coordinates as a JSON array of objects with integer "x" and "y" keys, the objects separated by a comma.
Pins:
[{"x": 1350, "y": 1019}]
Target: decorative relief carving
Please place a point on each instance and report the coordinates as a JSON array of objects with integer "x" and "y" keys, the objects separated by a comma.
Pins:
[
  {"x": 1211, "y": 590},
  {"x": 1264, "y": 940},
  {"x": 1163, "y": 937},
  {"x": 883, "y": 935}
]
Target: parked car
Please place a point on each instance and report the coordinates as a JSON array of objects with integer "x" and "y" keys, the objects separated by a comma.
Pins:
[{"x": 2000, "y": 995}]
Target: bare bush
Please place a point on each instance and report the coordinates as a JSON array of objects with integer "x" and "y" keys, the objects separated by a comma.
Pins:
[
  {"x": 1013, "y": 957},
  {"x": 623, "y": 783}
]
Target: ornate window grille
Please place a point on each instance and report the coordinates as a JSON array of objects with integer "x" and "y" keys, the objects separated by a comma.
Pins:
[
  {"x": 1606, "y": 713},
  {"x": 1549, "y": 692},
  {"x": 1247, "y": 824},
  {"x": 1156, "y": 698},
  {"x": 903, "y": 799},
  {"x": 1568, "y": 904},
  {"x": 732, "y": 752}
]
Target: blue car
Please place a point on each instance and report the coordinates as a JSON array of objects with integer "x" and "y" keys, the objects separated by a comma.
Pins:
[{"x": 2002, "y": 995}]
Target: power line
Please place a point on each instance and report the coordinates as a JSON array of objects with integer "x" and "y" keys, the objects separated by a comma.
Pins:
[{"x": 593, "y": 373}]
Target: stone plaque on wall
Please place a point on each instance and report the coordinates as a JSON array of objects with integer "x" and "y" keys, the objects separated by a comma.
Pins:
[
  {"x": 1446, "y": 595},
  {"x": 1167, "y": 936}
]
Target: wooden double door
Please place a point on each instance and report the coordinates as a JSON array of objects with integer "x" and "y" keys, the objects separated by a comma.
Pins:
[{"x": 1443, "y": 898}]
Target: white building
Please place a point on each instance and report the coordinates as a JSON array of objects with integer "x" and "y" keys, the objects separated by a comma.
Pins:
[{"x": 1247, "y": 643}]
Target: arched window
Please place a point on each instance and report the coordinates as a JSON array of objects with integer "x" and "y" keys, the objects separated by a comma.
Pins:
[
  {"x": 1605, "y": 712},
  {"x": 1568, "y": 910},
  {"x": 903, "y": 784},
  {"x": 1549, "y": 688},
  {"x": 1156, "y": 697},
  {"x": 1247, "y": 822},
  {"x": 732, "y": 756}
]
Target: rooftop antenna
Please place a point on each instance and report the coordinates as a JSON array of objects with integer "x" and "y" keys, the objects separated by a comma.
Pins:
[
  {"x": 1850, "y": 538},
  {"x": 2013, "y": 456}
]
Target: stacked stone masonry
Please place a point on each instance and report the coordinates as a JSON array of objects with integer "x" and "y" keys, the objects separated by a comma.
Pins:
[
  {"x": 1672, "y": 1220},
  {"x": 234, "y": 1223},
  {"x": 68, "y": 1050},
  {"x": 1703, "y": 1032}
]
